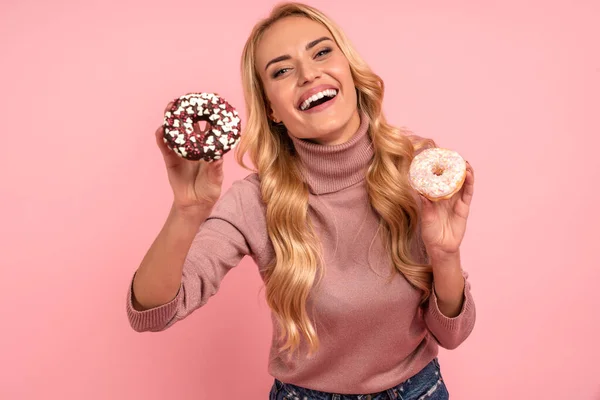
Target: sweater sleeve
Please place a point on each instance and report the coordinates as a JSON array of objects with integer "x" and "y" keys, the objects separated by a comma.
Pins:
[
  {"x": 451, "y": 332},
  {"x": 232, "y": 232}
]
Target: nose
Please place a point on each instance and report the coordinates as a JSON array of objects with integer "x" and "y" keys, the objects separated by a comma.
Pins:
[{"x": 308, "y": 73}]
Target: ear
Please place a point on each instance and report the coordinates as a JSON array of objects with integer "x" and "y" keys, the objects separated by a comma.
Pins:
[{"x": 272, "y": 115}]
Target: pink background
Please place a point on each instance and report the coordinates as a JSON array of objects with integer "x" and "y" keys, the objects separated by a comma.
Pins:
[{"x": 515, "y": 88}]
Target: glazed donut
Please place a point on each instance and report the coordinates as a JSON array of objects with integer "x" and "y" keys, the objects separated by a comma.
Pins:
[
  {"x": 437, "y": 173},
  {"x": 221, "y": 135}
]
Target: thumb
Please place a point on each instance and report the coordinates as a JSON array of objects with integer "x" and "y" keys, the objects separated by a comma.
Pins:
[
  {"x": 427, "y": 207},
  {"x": 215, "y": 172},
  {"x": 425, "y": 202}
]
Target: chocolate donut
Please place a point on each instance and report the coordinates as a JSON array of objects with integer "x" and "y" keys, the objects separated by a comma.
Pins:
[{"x": 222, "y": 133}]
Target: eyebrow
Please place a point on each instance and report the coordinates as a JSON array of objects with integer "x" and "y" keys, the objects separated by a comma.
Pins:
[{"x": 309, "y": 46}]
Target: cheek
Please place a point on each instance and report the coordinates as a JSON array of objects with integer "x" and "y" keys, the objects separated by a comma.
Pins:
[
  {"x": 272, "y": 97},
  {"x": 348, "y": 76},
  {"x": 281, "y": 100},
  {"x": 276, "y": 103},
  {"x": 342, "y": 72}
]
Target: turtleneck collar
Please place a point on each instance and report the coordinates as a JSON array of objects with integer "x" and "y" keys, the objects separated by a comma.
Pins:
[{"x": 329, "y": 169}]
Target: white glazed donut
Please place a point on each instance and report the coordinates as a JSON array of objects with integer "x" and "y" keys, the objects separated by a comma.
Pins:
[{"x": 437, "y": 173}]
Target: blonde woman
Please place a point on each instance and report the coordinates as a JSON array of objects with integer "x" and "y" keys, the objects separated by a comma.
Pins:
[{"x": 362, "y": 275}]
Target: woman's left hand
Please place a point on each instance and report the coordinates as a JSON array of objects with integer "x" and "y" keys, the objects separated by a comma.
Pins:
[{"x": 444, "y": 222}]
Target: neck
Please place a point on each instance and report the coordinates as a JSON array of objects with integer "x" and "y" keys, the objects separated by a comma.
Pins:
[{"x": 333, "y": 167}]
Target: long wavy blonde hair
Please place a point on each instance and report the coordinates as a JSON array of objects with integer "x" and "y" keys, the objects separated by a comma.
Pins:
[{"x": 297, "y": 266}]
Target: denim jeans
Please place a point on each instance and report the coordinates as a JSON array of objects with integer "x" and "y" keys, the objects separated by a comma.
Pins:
[{"x": 427, "y": 384}]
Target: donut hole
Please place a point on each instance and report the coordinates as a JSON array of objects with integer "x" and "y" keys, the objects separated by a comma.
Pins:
[
  {"x": 438, "y": 170},
  {"x": 201, "y": 126}
]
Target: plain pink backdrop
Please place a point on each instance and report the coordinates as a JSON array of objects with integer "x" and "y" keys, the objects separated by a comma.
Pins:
[{"x": 515, "y": 88}]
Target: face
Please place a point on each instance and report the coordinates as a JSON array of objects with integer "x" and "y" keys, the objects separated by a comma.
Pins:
[{"x": 307, "y": 81}]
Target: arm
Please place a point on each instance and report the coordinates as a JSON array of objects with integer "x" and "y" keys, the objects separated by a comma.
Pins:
[
  {"x": 449, "y": 285},
  {"x": 189, "y": 259},
  {"x": 450, "y": 314},
  {"x": 158, "y": 278}
]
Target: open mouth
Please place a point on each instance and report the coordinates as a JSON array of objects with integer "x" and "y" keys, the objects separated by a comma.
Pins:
[{"x": 318, "y": 98}]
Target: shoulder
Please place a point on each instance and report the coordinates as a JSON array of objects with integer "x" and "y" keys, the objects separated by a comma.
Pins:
[
  {"x": 249, "y": 184},
  {"x": 251, "y": 180},
  {"x": 241, "y": 198},
  {"x": 242, "y": 209}
]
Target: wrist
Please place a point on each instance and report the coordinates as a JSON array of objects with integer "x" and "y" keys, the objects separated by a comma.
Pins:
[
  {"x": 448, "y": 282},
  {"x": 444, "y": 260},
  {"x": 190, "y": 214}
]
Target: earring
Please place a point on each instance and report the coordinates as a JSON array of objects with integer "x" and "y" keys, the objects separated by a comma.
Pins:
[
  {"x": 277, "y": 124},
  {"x": 273, "y": 119}
]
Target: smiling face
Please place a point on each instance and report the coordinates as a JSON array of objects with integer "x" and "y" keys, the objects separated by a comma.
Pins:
[{"x": 307, "y": 81}]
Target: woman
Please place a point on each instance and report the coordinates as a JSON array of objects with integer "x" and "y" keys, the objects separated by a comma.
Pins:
[{"x": 362, "y": 275}]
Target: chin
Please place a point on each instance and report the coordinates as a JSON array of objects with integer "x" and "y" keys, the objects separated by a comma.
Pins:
[
  {"x": 326, "y": 126},
  {"x": 331, "y": 127},
  {"x": 318, "y": 130}
]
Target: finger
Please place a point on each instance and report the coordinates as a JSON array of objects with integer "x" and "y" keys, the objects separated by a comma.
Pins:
[
  {"x": 470, "y": 168},
  {"x": 215, "y": 173},
  {"x": 210, "y": 172},
  {"x": 461, "y": 208},
  {"x": 169, "y": 106},
  {"x": 168, "y": 154},
  {"x": 468, "y": 187},
  {"x": 160, "y": 133},
  {"x": 426, "y": 204},
  {"x": 160, "y": 139}
]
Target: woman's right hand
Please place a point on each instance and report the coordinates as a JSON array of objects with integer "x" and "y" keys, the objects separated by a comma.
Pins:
[{"x": 196, "y": 184}]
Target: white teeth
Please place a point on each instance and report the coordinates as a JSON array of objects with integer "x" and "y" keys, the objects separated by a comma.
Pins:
[{"x": 317, "y": 96}]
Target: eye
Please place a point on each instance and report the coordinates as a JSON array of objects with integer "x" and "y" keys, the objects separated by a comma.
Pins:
[
  {"x": 323, "y": 52},
  {"x": 279, "y": 72}
]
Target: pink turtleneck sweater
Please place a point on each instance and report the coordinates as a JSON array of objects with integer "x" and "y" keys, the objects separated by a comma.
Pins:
[{"x": 373, "y": 334}]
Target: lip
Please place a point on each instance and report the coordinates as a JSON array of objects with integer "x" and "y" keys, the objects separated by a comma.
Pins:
[
  {"x": 321, "y": 107},
  {"x": 312, "y": 91}
]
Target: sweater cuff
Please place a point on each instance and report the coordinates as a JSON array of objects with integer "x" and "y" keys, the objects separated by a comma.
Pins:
[
  {"x": 448, "y": 323},
  {"x": 153, "y": 319}
]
